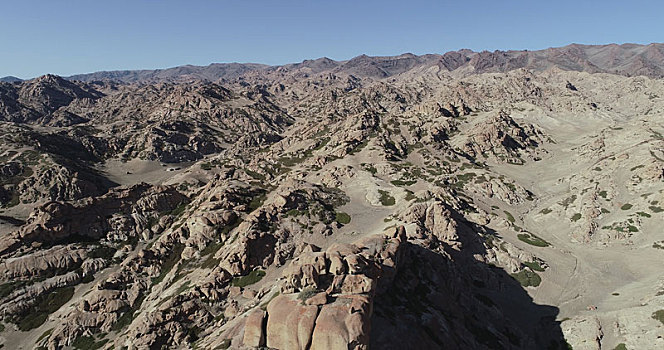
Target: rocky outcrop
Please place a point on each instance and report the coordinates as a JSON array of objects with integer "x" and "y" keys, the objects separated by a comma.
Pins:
[
  {"x": 106, "y": 216},
  {"x": 503, "y": 139},
  {"x": 326, "y": 300}
]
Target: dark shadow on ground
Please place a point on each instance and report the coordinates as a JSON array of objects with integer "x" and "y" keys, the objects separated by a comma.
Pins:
[{"x": 444, "y": 298}]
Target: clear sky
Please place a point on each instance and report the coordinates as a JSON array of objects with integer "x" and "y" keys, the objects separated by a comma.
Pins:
[{"x": 79, "y": 36}]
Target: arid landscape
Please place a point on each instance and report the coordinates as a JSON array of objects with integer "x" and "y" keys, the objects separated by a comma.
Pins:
[{"x": 469, "y": 200}]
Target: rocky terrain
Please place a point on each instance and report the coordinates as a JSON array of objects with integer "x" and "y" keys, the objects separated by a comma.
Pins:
[{"x": 505, "y": 200}]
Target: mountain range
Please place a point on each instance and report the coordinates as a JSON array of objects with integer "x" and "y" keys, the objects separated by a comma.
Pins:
[{"x": 470, "y": 200}]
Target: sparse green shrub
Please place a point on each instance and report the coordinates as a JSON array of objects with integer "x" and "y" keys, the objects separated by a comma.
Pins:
[
  {"x": 169, "y": 262},
  {"x": 527, "y": 278},
  {"x": 386, "y": 199},
  {"x": 102, "y": 252},
  {"x": 253, "y": 277},
  {"x": 177, "y": 211},
  {"x": 342, "y": 218},
  {"x": 8, "y": 287},
  {"x": 403, "y": 182},
  {"x": 532, "y": 240},
  {"x": 659, "y": 315},
  {"x": 370, "y": 168},
  {"x": 224, "y": 344},
  {"x": 576, "y": 217},
  {"x": 509, "y": 216},
  {"x": 88, "y": 343},
  {"x": 410, "y": 195},
  {"x": 626, "y": 206},
  {"x": 656, "y": 209},
  {"x": 534, "y": 265},
  {"x": 306, "y": 293},
  {"x": 255, "y": 175},
  {"x": 620, "y": 346},
  {"x": 45, "y": 334},
  {"x": 545, "y": 211},
  {"x": 568, "y": 201},
  {"x": 47, "y": 304},
  {"x": 256, "y": 202}
]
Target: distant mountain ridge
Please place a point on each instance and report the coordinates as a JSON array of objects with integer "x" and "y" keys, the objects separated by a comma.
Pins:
[
  {"x": 10, "y": 79},
  {"x": 625, "y": 59}
]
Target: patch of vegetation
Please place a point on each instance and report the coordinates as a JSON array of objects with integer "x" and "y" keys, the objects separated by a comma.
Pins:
[
  {"x": 256, "y": 202},
  {"x": 46, "y": 304},
  {"x": 179, "y": 210},
  {"x": 88, "y": 343},
  {"x": 626, "y": 206},
  {"x": 128, "y": 316},
  {"x": 643, "y": 214},
  {"x": 603, "y": 194},
  {"x": 532, "y": 240},
  {"x": 527, "y": 278},
  {"x": 568, "y": 201},
  {"x": 605, "y": 211},
  {"x": 546, "y": 211},
  {"x": 102, "y": 252},
  {"x": 534, "y": 265},
  {"x": 342, "y": 218},
  {"x": 225, "y": 344},
  {"x": 620, "y": 346},
  {"x": 509, "y": 216},
  {"x": 360, "y": 146},
  {"x": 410, "y": 196},
  {"x": 306, "y": 293},
  {"x": 403, "y": 182},
  {"x": 370, "y": 168},
  {"x": 295, "y": 212},
  {"x": 253, "y": 277},
  {"x": 466, "y": 177},
  {"x": 169, "y": 262},
  {"x": 386, "y": 199},
  {"x": 659, "y": 315},
  {"x": 576, "y": 217},
  {"x": 255, "y": 175},
  {"x": 8, "y": 287},
  {"x": 45, "y": 334},
  {"x": 211, "y": 248},
  {"x": 656, "y": 209},
  {"x": 658, "y": 245}
]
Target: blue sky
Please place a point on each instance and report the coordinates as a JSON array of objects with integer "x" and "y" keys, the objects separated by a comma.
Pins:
[{"x": 75, "y": 36}]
